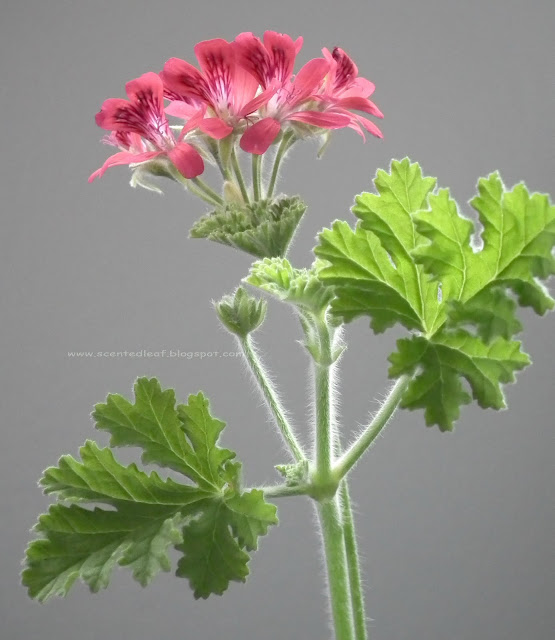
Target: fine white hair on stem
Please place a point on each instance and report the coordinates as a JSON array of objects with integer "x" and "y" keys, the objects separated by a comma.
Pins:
[{"x": 255, "y": 382}]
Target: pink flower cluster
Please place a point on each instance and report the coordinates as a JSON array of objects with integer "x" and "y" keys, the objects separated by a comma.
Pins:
[{"x": 245, "y": 88}]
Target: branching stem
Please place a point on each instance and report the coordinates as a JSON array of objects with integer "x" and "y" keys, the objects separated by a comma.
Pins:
[{"x": 348, "y": 460}]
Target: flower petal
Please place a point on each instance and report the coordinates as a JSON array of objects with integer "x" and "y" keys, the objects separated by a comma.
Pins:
[
  {"x": 148, "y": 90},
  {"x": 360, "y": 104},
  {"x": 260, "y": 136},
  {"x": 261, "y": 99},
  {"x": 106, "y": 118},
  {"x": 217, "y": 61},
  {"x": 360, "y": 87},
  {"x": 321, "y": 119},
  {"x": 309, "y": 79},
  {"x": 183, "y": 79},
  {"x": 187, "y": 160},
  {"x": 215, "y": 128},
  {"x": 244, "y": 87},
  {"x": 369, "y": 126},
  {"x": 282, "y": 51},
  {"x": 123, "y": 157},
  {"x": 181, "y": 109},
  {"x": 252, "y": 56}
]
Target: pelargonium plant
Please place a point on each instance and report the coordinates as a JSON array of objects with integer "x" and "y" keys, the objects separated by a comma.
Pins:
[{"x": 412, "y": 259}]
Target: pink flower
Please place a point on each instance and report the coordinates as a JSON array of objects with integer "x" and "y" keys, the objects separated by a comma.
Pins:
[
  {"x": 221, "y": 86},
  {"x": 140, "y": 129},
  {"x": 286, "y": 98},
  {"x": 344, "y": 90}
]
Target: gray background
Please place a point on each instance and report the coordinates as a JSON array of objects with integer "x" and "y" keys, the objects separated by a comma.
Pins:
[{"x": 456, "y": 530}]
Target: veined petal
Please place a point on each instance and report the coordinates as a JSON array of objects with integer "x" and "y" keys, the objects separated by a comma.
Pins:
[
  {"x": 187, "y": 160},
  {"x": 282, "y": 51},
  {"x": 309, "y": 79},
  {"x": 215, "y": 128},
  {"x": 123, "y": 157},
  {"x": 260, "y": 136},
  {"x": 106, "y": 118},
  {"x": 321, "y": 119},
  {"x": 359, "y": 104},
  {"x": 217, "y": 61},
  {"x": 253, "y": 57},
  {"x": 181, "y": 78},
  {"x": 148, "y": 91}
]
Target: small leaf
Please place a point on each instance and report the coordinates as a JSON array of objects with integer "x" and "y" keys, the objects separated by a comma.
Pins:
[{"x": 439, "y": 365}]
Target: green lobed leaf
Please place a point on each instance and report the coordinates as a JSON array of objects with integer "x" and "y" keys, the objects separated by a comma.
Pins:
[
  {"x": 441, "y": 362},
  {"x": 146, "y": 514},
  {"x": 262, "y": 229},
  {"x": 214, "y": 545},
  {"x": 411, "y": 261},
  {"x": 518, "y": 238}
]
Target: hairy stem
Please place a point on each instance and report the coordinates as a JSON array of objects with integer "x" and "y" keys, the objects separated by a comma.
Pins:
[
  {"x": 336, "y": 564},
  {"x": 353, "y": 564},
  {"x": 256, "y": 188},
  {"x": 285, "y": 144},
  {"x": 325, "y": 444},
  {"x": 348, "y": 460},
  {"x": 271, "y": 397},
  {"x": 215, "y": 151},
  {"x": 239, "y": 175},
  {"x": 284, "y": 491},
  {"x": 207, "y": 190}
]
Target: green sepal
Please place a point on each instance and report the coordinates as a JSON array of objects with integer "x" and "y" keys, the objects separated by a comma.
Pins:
[
  {"x": 241, "y": 313},
  {"x": 262, "y": 229}
]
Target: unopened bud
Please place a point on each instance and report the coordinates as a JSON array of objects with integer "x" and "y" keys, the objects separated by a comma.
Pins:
[{"x": 241, "y": 313}]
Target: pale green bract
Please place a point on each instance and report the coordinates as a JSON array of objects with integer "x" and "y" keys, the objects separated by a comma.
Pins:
[
  {"x": 411, "y": 261},
  {"x": 208, "y": 520}
]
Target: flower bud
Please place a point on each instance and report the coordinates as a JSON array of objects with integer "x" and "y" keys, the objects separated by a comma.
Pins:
[{"x": 241, "y": 313}]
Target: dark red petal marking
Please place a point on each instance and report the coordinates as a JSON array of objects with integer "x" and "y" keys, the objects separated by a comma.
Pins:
[{"x": 346, "y": 70}]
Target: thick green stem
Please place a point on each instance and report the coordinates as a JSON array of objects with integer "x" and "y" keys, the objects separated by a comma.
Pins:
[
  {"x": 239, "y": 175},
  {"x": 353, "y": 564},
  {"x": 271, "y": 397},
  {"x": 285, "y": 144},
  {"x": 325, "y": 436},
  {"x": 256, "y": 188},
  {"x": 336, "y": 564},
  {"x": 380, "y": 420}
]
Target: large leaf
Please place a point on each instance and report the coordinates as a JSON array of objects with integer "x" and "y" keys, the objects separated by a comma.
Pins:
[
  {"x": 145, "y": 514},
  {"x": 412, "y": 260}
]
